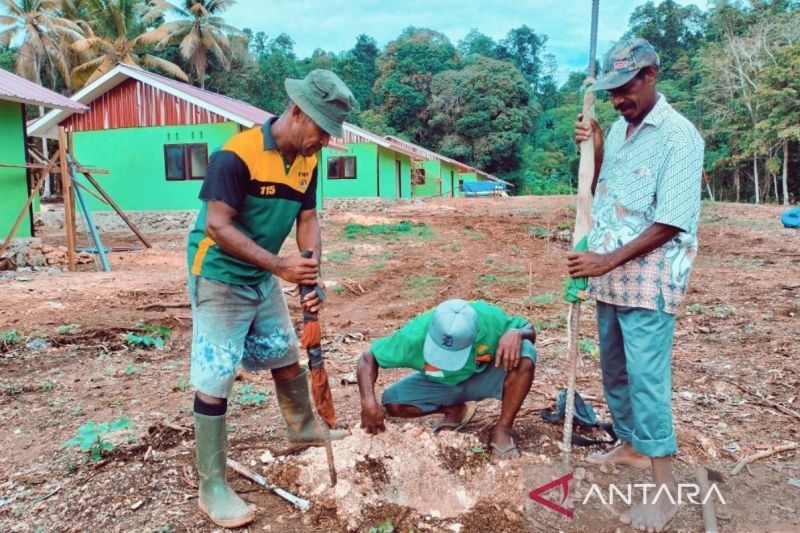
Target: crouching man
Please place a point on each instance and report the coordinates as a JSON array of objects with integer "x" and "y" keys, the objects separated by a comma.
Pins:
[{"x": 463, "y": 352}]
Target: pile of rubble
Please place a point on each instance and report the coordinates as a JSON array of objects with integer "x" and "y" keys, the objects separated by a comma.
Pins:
[{"x": 30, "y": 254}]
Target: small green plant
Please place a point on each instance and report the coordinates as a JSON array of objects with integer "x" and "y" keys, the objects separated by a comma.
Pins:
[
  {"x": 338, "y": 289},
  {"x": 564, "y": 225},
  {"x": 589, "y": 347},
  {"x": 153, "y": 336},
  {"x": 481, "y": 452},
  {"x": 385, "y": 527},
  {"x": 130, "y": 369},
  {"x": 543, "y": 299},
  {"x": 360, "y": 231},
  {"x": 340, "y": 256},
  {"x": 249, "y": 396},
  {"x": 475, "y": 235},
  {"x": 723, "y": 311},
  {"x": 46, "y": 385},
  {"x": 484, "y": 279},
  {"x": 182, "y": 384},
  {"x": 67, "y": 329},
  {"x": 9, "y": 337},
  {"x": 539, "y": 233},
  {"x": 91, "y": 437},
  {"x": 697, "y": 309}
]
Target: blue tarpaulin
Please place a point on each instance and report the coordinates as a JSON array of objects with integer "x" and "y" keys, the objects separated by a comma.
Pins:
[
  {"x": 481, "y": 188},
  {"x": 791, "y": 218}
]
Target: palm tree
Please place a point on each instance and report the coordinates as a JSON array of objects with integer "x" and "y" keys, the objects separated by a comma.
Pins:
[
  {"x": 201, "y": 32},
  {"x": 43, "y": 53},
  {"x": 117, "y": 36}
]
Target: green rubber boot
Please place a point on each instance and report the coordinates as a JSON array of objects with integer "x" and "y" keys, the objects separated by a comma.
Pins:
[
  {"x": 217, "y": 500},
  {"x": 302, "y": 427}
]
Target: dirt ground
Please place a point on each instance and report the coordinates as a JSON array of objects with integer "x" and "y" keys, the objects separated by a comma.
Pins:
[{"x": 736, "y": 380}]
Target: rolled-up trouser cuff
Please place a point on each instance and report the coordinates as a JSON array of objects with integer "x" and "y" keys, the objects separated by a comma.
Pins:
[{"x": 657, "y": 447}]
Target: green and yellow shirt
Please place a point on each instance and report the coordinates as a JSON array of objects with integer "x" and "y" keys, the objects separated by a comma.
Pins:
[
  {"x": 250, "y": 175},
  {"x": 403, "y": 349}
]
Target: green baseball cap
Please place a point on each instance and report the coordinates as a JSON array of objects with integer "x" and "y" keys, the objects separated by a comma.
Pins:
[
  {"x": 324, "y": 97},
  {"x": 623, "y": 61},
  {"x": 450, "y": 335}
]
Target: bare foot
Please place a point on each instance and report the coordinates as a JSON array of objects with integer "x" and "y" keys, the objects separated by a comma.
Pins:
[
  {"x": 651, "y": 515},
  {"x": 621, "y": 455},
  {"x": 503, "y": 447}
]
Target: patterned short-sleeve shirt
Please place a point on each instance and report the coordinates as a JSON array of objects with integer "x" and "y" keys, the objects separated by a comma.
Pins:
[{"x": 653, "y": 176}]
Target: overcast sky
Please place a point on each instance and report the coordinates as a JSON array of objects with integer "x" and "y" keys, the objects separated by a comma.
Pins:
[{"x": 333, "y": 25}]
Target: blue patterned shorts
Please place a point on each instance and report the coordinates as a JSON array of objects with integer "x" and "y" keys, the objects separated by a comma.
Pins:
[{"x": 237, "y": 324}]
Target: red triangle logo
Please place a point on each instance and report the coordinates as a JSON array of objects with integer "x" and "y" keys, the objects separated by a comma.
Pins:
[{"x": 563, "y": 482}]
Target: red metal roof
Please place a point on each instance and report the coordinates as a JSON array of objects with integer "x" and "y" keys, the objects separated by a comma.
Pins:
[
  {"x": 17, "y": 89},
  {"x": 135, "y": 103},
  {"x": 236, "y": 107}
]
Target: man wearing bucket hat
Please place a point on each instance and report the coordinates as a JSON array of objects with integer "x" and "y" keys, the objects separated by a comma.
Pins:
[
  {"x": 261, "y": 184},
  {"x": 463, "y": 352},
  {"x": 641, "y": 246}
]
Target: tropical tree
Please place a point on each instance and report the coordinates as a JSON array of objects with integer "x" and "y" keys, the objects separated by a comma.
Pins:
[
  {"x": 201, "y": 32},
  {"x": 118, "y": 35},
  {"x": 406, "y": 69},
  {"x": 481, "y": 113},
  {"x": 45, "y": 36}
]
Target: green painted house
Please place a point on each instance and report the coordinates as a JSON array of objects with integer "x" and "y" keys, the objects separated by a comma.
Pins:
[
  {"x": 153, "y": 134},
  {"x": 363, "y": 165},
  {"x": 15, "y": 179},
  {"x": 435, "y": 175}
]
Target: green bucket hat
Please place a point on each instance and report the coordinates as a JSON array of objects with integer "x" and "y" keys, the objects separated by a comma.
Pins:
[
  {"x": 324, "y": 97},
  {"x": 623, "y": 61}
]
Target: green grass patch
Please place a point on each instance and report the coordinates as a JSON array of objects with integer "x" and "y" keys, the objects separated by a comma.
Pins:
[
  {"x": 339, "y": 256},
  {"x": 538, "y": 232},
  {"x": 67, "y": 329},
  {"x": 697, "y": 309},
  {"x": 474, "y": 234},
  {"x": 403, "y": 228},
  {"x": 543, "y": 299},
  {"x": 418, "y": 287},
  {"x": 486, "y": 279}
]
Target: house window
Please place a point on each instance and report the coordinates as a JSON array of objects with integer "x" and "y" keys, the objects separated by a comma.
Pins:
[
  {"x": 185, "y": 161},
  {"x": 418, "y": 176},
  {"x": 341, "y": 168}
]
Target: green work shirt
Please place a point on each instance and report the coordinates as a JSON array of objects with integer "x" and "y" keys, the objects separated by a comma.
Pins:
[
  {"x": 403, "y": 349},
  {"x": 250, "y": 175}
]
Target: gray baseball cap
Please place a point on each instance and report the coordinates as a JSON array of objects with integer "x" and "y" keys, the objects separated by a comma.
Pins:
[
  {"x": 623, "y": 61},
  {"x": 450, "y": 335},
  {"x": 324, "y": 97}
]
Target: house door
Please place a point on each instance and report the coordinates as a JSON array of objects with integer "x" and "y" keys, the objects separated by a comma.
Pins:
[
  {"x": 452, "y": 184},
  {"x": 397, "y": 178}
]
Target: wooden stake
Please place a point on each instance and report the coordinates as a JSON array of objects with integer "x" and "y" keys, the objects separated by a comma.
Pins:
[
  {"x": 66, "y": 191},
  {"x": 760, "y": 455}
]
